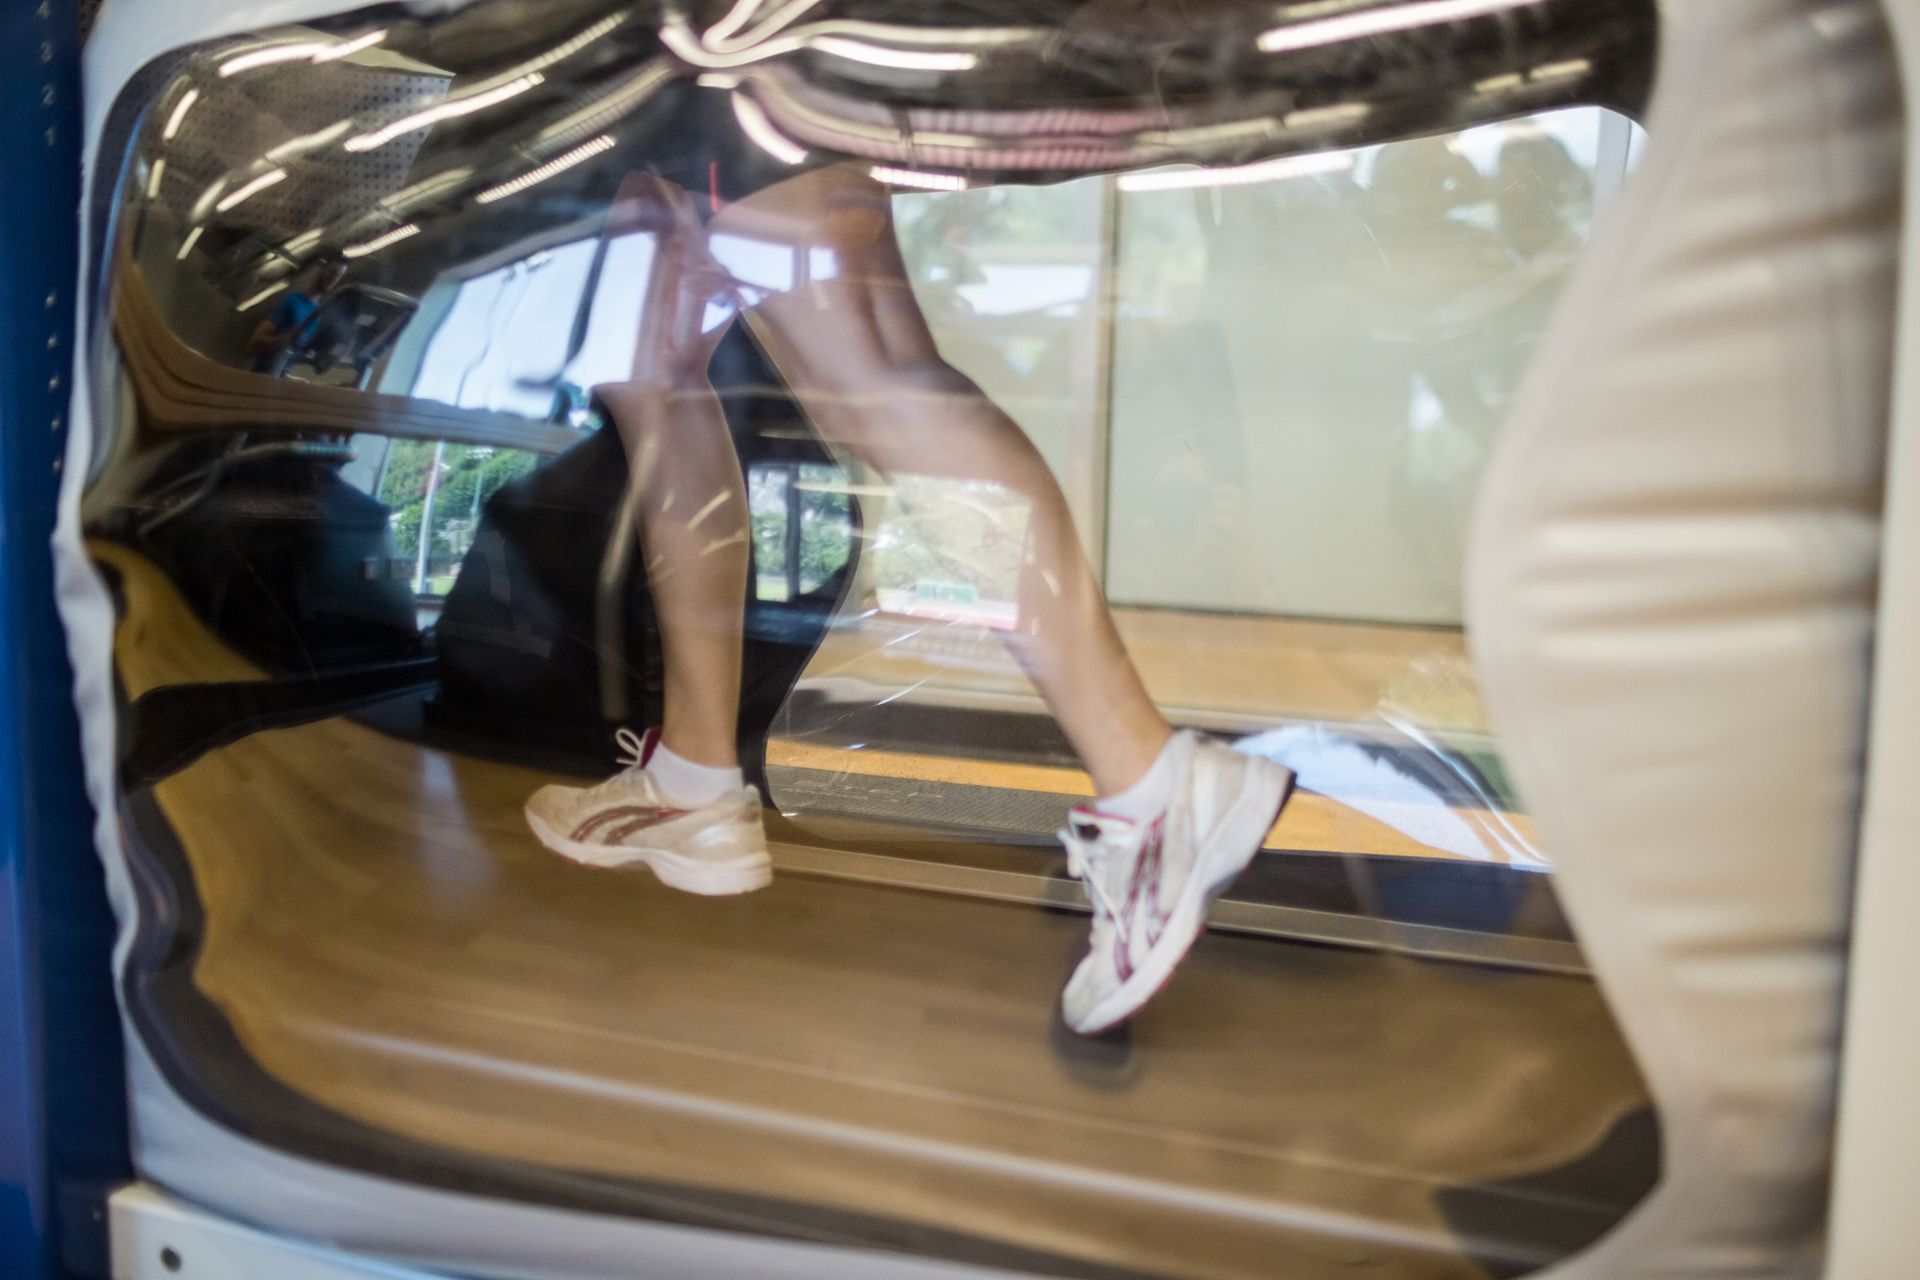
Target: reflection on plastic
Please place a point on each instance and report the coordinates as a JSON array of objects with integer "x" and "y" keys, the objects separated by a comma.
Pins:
[
  {"x": 779, "y": 396},
  {"x": 1246, "y": 394}
]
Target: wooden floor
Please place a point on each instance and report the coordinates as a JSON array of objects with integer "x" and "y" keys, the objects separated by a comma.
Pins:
[{"x": 387, "y": 939}]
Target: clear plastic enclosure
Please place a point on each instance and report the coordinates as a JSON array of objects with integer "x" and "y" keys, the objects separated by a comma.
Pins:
[{"x": 928, "y": 411}]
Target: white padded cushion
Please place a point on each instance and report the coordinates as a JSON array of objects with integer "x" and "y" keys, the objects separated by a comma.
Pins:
[{"x": 1671, "y": 600}]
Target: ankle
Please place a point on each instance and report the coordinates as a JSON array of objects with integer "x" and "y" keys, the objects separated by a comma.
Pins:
[
  {"x": 690, "y": 737},
  {"x": 1124, "y": 755},
  {"x": 1148, "y": 795},
  {"x": 690, "y": 782}
]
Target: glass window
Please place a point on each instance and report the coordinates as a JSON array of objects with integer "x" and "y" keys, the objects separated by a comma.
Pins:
[
  {"x": 1267, "y": 404},
  {"x": 1310, "y": 370}
]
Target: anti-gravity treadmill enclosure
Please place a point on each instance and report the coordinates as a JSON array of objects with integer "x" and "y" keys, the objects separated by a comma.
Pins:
[{"x": 1255, "y": 288}]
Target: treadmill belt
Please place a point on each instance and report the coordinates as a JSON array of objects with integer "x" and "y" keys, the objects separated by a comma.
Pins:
[{"x": 385, "y": 939}]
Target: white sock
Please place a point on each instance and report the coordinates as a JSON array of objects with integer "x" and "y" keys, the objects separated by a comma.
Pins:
[
  {"x": 1149, "y": 796},
  {"x": 690, "y": 784}
]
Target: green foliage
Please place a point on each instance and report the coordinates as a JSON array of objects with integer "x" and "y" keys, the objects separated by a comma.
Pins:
[
  {"x": 826, "y": 536},
  {"x": 826, "y": 529},
  {"x": 405, "y": 478},
  {"x": 946, "y": 532},
  {"x": 469, "y": 475}
]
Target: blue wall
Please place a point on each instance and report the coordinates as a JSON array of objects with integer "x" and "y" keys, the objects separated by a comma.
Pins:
[{"x": 62, "y": 1122}]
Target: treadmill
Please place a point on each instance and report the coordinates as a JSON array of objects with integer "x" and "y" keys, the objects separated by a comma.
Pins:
[{"x": 339, "y": 629}]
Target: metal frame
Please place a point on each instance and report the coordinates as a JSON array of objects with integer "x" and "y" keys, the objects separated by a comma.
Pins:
[
  {"x": 62, "y": 1122},
  {"x": 1230, "y": 915}
]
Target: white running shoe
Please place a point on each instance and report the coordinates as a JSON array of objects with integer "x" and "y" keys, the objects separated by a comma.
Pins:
[
  {"x": 715, "y": 849},
  {"x": 1151, "y": 883}
]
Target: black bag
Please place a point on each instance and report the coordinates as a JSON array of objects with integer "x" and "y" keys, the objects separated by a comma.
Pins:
[
  {"x": 281, "y": 558},
  {"x": 526, "y": 661}
]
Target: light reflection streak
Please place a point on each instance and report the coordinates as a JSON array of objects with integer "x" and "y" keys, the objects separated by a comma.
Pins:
[
  {"x": 1545, "y": 73},
  {"x": 947, "y": 37},
  {"x": 272, "y": 54},
  {"x": 743, "y": 10},
  {"x": 604, "y": 110},
  {"x": 1375, "y": 22},
  {"x": 713, "y": 504},
  {"x": 906, "y": 59},
  {"x": 754, "y": 123},
  {"x": 180, "y": 110},
  {"x": 303, "y": 242},
  {"x": 242, "y": 194},
  {"x": 405, "y": 201},
  {"x": 687, "y": 47},
  {"x": 444, "y": 111},
  {"x": 347, "y": 48},
  {"x": 559, "y": 53},
  {"x": 260, "y": 297},
  {"x": 898, "y": 694},
  {"x": 1265, "y": 171},
  {"x": 721, "y": 38},
  {"x": 378, "y": 243},
  {"x": 1560, "y": 70},
  {"x": 558, "y": 165},
  {"x": 1344, "y": 113},
  {"x": 294, "y": 51},
  {"x": 869, "y": 43},
  {"x": 915, "y": 178},
  {"x": 310, "y": 141}
]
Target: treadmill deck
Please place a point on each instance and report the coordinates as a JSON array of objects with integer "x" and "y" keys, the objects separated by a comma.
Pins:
[{"x": 852, "y": 1061}]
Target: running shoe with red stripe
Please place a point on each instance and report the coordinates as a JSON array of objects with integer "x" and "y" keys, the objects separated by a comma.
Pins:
[
  {"x": 715, "y": 848},
  {"x": 1151, "y": 883}
]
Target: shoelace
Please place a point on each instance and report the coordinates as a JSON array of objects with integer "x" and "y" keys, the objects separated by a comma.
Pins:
[
  {"x": 1087, "y": 861},
  {"x": 633, "y": 744},
  {"x": 633, "y": 760}
]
